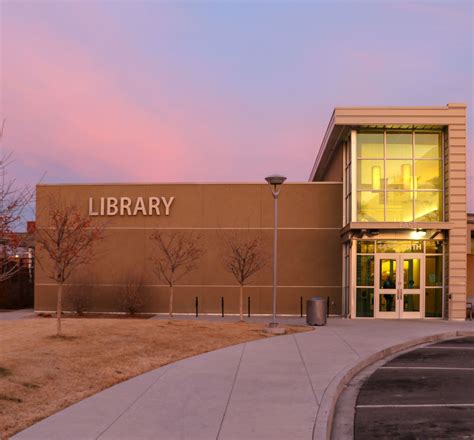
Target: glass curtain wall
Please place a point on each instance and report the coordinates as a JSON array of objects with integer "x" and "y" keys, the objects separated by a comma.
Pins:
[
  {"x": 365, "y": 261},
  {"x": 399, "y": 176}
]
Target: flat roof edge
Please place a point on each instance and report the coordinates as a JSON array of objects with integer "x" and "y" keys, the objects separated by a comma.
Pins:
[{"x": 179, "y": 183}]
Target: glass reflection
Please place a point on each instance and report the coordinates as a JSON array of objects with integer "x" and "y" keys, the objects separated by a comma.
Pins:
[
  {"x": 399, "y": 145},
  {"x": 434, "y": 270},
  {"x": 388, "y": 273},
  {"x": 433, "y": 303},
  {"x": 434, "y": 246},
  {"x": 428, "y": 174},
  {"x": 387, "y": 302},
  {"x": 365, "y": 303},
  {"x": 399, "y": 174},
  {"x": 370, "y": 175},
  {"x": 411, "y": 273},
  {"x": 399, "y": 206},
  {"x": 411, "y": 302},
  {"x": 365, "y": 270},
  {"x": 428, "y": 206},
  {"x": 370, "y": 145},
  {"x": 370, "y": 206},
  {"x": 427, "y": 145},
  {"x": 365, "y": 247}
]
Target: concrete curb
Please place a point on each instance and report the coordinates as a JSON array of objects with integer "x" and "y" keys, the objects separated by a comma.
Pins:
[{"x": 324, "y": 418}]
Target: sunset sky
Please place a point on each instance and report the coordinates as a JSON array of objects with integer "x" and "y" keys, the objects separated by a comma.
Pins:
[{"x": 213, "y": 91}]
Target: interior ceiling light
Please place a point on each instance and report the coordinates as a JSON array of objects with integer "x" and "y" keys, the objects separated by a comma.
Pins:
[{"x": 420, "y": 233}]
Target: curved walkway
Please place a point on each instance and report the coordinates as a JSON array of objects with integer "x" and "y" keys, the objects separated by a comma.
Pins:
[{"x": 277, "y": 388}]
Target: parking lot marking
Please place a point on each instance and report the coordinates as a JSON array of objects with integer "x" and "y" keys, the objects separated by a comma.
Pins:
[
  {"x": 419, "y": 405},
  {"x": 427, "y": 368}
]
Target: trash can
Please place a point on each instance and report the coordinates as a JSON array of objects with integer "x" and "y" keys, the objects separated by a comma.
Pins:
[{"x": 316, "y": 311}]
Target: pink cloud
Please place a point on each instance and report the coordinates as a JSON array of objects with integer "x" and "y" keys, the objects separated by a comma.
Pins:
[{"x": 57, "y": 96}]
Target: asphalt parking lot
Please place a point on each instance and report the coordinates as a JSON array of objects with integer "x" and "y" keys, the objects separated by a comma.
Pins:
[{"x": 427, "y": 393}]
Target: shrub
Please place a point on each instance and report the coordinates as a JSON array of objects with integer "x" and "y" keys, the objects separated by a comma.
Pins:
[
  {"x": 131, "y": 296},
  {"x": 78, "y": 296}
]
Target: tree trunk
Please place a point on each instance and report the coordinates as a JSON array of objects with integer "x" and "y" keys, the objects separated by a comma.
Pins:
[
  {"x": 171, "y": 300},
  {"x": 241, "y": 302},
  {"x": 59, "y": 308}
]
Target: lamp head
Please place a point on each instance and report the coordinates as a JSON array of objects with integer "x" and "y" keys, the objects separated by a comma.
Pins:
[{"x": 275, "y": 179}]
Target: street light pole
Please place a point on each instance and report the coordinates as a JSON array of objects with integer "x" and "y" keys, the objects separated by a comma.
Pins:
[{"x": 275, "y": 181}]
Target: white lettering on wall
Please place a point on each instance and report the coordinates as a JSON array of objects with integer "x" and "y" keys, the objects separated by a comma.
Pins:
[
  {"x": 154, "y": 205},
  {"x": 111, "y": 206},
  {"x": 167, "y": 204},
  {"x": 125, "y": 204},
  {"x": 91, "y": 207}
]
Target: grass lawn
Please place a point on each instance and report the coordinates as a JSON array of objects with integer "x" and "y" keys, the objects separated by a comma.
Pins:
[{"x": 41, "y": 374}]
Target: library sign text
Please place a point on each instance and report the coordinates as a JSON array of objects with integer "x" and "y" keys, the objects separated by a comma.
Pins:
[{"x": 110, "y": 206}]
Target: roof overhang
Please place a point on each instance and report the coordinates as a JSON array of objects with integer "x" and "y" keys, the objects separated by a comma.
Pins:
[{"x": 344, "y": 119}]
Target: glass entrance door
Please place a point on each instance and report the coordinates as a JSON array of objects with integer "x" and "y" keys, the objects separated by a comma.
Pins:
[
  {"x": 411, "y": 285},
  {"x": 386, "y": 291},
  {"x": 399, "y": 285}
]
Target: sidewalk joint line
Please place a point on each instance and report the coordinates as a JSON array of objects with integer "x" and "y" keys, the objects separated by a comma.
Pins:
[
  {"x": 166, "y": 368},
  {"x": 427, "y": 368},
  {"x": 306, "y": 369},
  {"x": 419, "y": 405},
  {"x": 231, "y": 391}
]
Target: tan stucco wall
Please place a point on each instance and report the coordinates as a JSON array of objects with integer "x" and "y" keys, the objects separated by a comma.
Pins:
[
  {"x": 309, "y": 244},
  {"x": 470, "y": 275}
]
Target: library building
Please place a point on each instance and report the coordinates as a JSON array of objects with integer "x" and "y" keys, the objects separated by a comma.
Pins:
[{"x": 380, "y": 229}]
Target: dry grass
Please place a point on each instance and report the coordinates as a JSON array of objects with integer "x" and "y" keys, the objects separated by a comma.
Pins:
[{"x": 41, "y": 374}]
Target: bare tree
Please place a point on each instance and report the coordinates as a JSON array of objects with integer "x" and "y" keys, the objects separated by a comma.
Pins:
[
  {"x": 245, "y": 256},
  {"x": 178, "y": 254},
  {"x": 14, "y": 201},
  {"x": 66, "y": 239},
  {"x": 132, "y": 297}
]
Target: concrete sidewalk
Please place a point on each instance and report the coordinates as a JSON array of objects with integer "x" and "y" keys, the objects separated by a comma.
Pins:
[
  {"x": 277, "y": 388},
  {"x": 9, "y": 315}
]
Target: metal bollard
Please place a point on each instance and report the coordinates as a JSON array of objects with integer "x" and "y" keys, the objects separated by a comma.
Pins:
[
  {"x": 222, "y": 306},
  {"x": 248, "y": 306},
  {"x": 327, "y": 308},
  {"x": 301, "y": 306},
  {"x": 197, "y": 307}
]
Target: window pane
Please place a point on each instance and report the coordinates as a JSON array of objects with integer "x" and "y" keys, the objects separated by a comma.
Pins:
[
  {"x": 365, "y": 270},
  {"x": 434, "y": 246},
  {"x": 399, "y": 207},
  {"x": 365, "y": 247},
  {"x": 387, "y": 302},
  {"x": 399, "y": 145},
  {"x": 370, "y": 206},
  {"x": 428, "y": 206},
  {"x": 370, "y": 175},
  {"x": 348, "y": 180},
  {"x": 399, "y": 174},
  {"x": 427, "y": 145},
  {"x": 365, "y": 303},
  {"x": 411, "y": 273},
  {"x": 433, "y": 303},
  {"x": 370, "y": 145},
  {"x": 434, "y": 270},
  {"x": 388, "y": 274},
  {"x": 411, "y": 302},
  {"x": 428, "y": 174}
]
